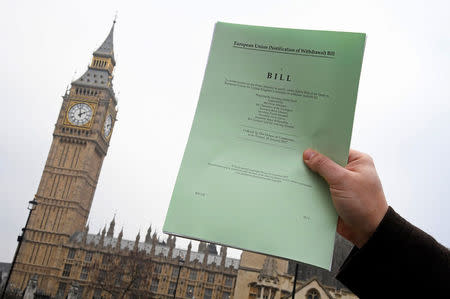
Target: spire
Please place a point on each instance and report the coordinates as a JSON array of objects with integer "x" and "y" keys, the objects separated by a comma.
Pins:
[
  {"x": 201, "y": 247},
  {"x": 138, "y": 236},
  {"x": 188, "y": 253},
  {"x": 223, "y": 250},
  {"x": 102, "y": 237},
  {"x": 154, "y": 243},
  {"x": 136, "y": 243},
  {"x": 223, "y": 254},
  {"x": 111, "y": 227},
  {"x": 107, "y": 48},
  {"x": 85, "y": 233},
  {"x": 211, "y": 248},
  {"x": 148, "y": 236},
  {"x": 171, "y": 244},
  {"x": 100, "y": 71},
  {"x": 205, "y": 257},
  {"x": 119, "y": 239}
]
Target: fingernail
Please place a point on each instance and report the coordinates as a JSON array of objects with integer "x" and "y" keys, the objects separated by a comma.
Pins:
[{"x": 308, "y": 154}]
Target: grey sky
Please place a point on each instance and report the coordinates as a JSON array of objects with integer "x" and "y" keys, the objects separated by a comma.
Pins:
[{"x": 402, "y": 115}]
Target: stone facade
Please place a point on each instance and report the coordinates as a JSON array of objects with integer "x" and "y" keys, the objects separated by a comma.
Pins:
[
  {"x": 162, "y": 268},
  {"x": 264, "y": 277},
  {"x": 59, "y": 258},
  {"x": 261, "y": 276},
  {"x": 80, "y": 142}
]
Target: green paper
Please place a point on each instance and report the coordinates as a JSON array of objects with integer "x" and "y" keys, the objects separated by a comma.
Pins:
[{"x": 267, "y": 95}]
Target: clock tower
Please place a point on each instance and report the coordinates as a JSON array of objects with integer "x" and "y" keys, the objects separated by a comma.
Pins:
[{"x": 80, "y": 143}]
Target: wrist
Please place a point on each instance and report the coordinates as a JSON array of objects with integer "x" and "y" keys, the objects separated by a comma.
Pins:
[{"x": 371, "y": 226}]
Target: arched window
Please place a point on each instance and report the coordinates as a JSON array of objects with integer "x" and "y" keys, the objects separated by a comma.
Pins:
[{"x": 312, "y": 294}]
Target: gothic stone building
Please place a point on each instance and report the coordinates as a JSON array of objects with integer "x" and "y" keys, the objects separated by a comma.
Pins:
[
  {"x": 264, "y": 277},
  {"x": 80, "y": 142},
  {"x": 58, "y": 256},
  {"x": 101, "y": 266}
]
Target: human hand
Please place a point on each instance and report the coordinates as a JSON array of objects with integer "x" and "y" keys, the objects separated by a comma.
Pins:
[{"x": 356, "y": 193}]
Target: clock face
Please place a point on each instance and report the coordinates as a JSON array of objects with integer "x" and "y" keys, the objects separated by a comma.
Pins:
[
  {"x": 107, "y": 126},
  {"x": 80, "y": 114}
]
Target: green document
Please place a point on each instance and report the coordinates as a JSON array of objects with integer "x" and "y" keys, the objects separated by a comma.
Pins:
[{"x": 267, "y": 95}]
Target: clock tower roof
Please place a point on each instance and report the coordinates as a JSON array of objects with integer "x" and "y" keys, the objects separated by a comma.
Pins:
[
  {"x": 100, "y": 72},
  {"x": 107, "y": 48}
]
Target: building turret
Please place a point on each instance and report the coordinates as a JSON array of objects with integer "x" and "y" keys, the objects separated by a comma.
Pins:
[
  {"x": 111, "y": 227},
  {"x": 212, "y": 249},
  {"x": 201, "y": 247},
  {"x": 148, "y": 236},
  {"x": 188, "y": 253},
  {"x": 102, "y": 237},
  {"x": 154, "y": 243},
  {"x": 136, "y": 243},
  {"x": 223, "y": 254},
  {"x": 205, "y": 258},
  {"x": 85, "y": 233},
  {"x": 119, "y": 240},
  {"x": 171, "y": 244}
]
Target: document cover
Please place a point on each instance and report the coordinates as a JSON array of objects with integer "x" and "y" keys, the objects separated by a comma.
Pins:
[{"x": 267, "y": 95}]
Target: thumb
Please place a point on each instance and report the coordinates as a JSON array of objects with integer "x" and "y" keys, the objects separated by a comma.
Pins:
[{"x": 329, "y": 170}]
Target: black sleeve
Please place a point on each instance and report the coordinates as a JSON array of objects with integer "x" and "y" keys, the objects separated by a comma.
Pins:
[{"x": 398, "y": 261}]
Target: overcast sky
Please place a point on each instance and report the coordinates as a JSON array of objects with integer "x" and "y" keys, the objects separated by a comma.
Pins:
[{"x": 161, "y": 47}]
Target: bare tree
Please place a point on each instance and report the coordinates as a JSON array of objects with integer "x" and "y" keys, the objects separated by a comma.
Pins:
[{"x": 122, "y": 275}]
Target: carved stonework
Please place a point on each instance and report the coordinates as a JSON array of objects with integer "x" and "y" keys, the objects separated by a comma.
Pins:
[
  {"x": 57, "y": 243},
  {"x": 71, "y": 170},
  {"x": 269, "y": 270}
]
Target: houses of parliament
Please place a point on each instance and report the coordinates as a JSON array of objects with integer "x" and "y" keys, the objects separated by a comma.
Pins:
[{"x": 59, "y": 258}]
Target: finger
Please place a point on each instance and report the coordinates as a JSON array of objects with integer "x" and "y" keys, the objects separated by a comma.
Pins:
[{"x": 329, "y": 170}]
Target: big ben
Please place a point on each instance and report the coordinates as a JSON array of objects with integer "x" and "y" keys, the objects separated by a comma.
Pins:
[{"x": 80, "y": 143}]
